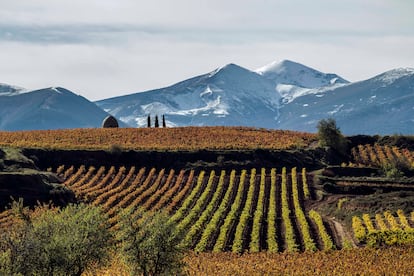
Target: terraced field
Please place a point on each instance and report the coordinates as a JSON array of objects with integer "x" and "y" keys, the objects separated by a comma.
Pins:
[{"x": 255, "y": 210}]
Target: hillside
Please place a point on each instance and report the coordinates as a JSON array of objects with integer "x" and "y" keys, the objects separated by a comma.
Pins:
[
  {"x": 229, "y": 189},
  {"x": 380, "y": 105},
  {"x": 21, "y": 178},
  {"x": 195, "y": 195}
]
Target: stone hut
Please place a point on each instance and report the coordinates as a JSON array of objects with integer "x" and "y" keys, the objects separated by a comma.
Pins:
[{"x": 110, "y": 121}]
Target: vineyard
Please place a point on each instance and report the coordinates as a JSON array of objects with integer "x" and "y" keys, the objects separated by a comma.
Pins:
[
  {"x": 253, "y": 211},
  {"x": 383, "y": 167},
  {"x": 358, "y": 261},
  {"x": 380, "y": 156},
  {"x": 384, "y": 229},
  {"x": 179, "y": 138},
  {"x": 237, "y": 214}
]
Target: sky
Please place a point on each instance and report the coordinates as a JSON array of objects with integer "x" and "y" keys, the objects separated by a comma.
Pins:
[{"x": 106, "y": 48}]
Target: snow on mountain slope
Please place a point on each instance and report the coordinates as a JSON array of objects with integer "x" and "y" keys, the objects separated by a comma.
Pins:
[
  {"x": 293, "y": 79},
  {"x": 6, "y": 89},
  {"x": 284, "y": 95},
  {"x": 49, "y": 108},
  {"x": 383, "y": 104},
  {"x": 289, "y": 72},
  {"x": 230, "y": 95},
  {"x": 391, "y": 76}
]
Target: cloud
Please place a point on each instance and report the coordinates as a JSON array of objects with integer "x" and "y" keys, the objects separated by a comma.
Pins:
[
  {"x": 101, "y": 71},
  {"x": 104, "y": 48},
  {"x": 320, "y": 15}
]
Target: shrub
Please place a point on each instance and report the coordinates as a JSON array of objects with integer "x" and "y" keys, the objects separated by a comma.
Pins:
[
  {"x": 392, "y": 171},
  {"x": 150, "y": 244},
  {"x": 55, "y": 241},
  {"x": 115, "y": 149},
  {"x": 395, "y": 169}
]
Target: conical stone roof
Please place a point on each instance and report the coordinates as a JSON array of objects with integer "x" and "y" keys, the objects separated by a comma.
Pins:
[{"x": 110, "y": 121}]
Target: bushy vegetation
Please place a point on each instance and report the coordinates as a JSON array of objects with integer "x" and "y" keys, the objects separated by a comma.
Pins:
[
  {"x": 55, "y": 241},
  {"x": 149, "y": 243},
  {"x": 330, "y": 136},
  {"x": 77, "y": 239},
  {"x": 392, "y": 170}
]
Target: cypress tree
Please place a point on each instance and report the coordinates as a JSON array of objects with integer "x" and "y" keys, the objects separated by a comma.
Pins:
[
  {"x": 149, "y": 121},
  {"x": 157, "y": 124},
  {"x": 163, "y": 121}
]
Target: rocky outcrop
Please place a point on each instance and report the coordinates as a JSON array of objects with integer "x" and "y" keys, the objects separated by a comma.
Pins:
[
  {"x": 33, "y": 187},
  {"x": 20, "y": 178}
]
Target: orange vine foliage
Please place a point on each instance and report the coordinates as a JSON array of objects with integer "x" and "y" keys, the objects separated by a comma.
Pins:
[
  {"x": 358, "y": 261},
  {"x": 361, "y": 261},
  {"x": 378, "y": 156},
  {"x": 180, "y": 138}
]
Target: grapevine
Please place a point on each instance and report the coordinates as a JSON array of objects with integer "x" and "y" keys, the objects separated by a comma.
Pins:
[
  {"x": 258, "y": 215},
  {"x": 271, "y": 215},
  {"x": 245, "y": 216},
  {"x": 218, "y": 215},
  {"x": 231, "y": 216}
]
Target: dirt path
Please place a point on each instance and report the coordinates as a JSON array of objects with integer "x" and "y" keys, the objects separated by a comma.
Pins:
[{"x": 341, "y": 233}]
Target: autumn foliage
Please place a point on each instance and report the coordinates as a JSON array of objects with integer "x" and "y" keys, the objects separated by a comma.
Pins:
[{"x": 180, "y": 138}]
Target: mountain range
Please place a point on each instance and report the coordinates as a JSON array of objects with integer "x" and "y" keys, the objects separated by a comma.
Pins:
[{"x": 280, "y": 95}]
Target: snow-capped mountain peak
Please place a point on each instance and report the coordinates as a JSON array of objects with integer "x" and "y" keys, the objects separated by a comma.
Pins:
[
  {"x": 279, "y": 67},
  {"x": 228, "y": 67},
  {"x": 228, "y": 93},
  {"x": 10, "y": 90},
  {"x": 393, "y": 75},
  {"x": 56, "y": 89},
  {"x": 293, "y": 73},
  {"x": 231, "y": 71}
]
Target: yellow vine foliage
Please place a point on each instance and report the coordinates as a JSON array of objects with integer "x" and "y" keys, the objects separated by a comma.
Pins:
[{"x": 388, "y": 230}]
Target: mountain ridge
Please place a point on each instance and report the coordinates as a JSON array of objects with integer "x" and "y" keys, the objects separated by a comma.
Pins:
[
  {"x": 47, "y": 108},
  {"x": 283, "y": 94},
  {"x": 190, "y": 102},
  {"x": 291, "y": 100}
]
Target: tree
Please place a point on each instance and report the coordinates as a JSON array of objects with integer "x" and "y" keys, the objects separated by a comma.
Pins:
[
  {"x": 156, "y": 124},
  {"x": 163, "y": 121},
  {"x": 150, "y": 244},
  {"x": 330, "y": 135},
  {"x": 56, "y": 242},
  {"x": 149, "y": 121}
]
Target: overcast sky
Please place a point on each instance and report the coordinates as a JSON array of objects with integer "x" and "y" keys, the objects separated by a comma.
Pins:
[{"x": 106, "y": 48}]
